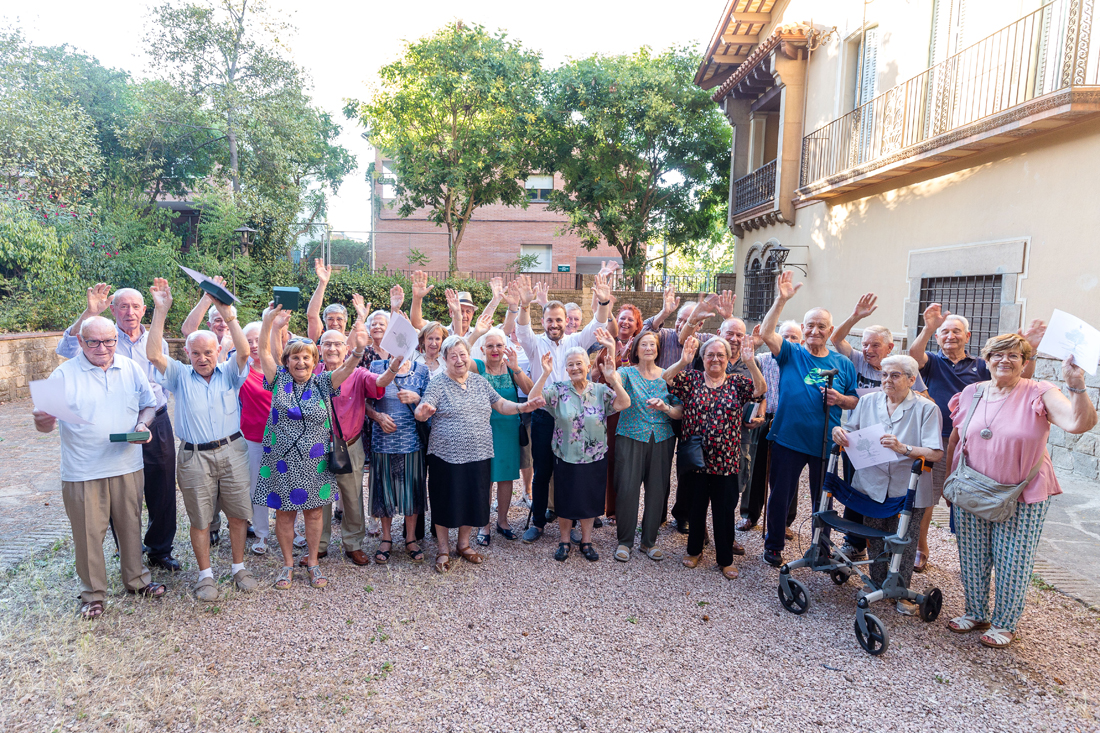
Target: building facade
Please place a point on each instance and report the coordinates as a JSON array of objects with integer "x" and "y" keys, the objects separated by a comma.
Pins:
[
  {"x": 494, "y": 240},
  {"x": 928, "y": 151}
]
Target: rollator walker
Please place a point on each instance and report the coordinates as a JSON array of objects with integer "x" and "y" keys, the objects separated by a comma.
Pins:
[{"x": 825, "y": 557}]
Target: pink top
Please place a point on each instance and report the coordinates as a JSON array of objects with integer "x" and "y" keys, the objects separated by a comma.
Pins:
[
  {"x": 255, "y": 405},
  {"x": 1020, "y": 430},
  {"x": 351, "y": 403}
]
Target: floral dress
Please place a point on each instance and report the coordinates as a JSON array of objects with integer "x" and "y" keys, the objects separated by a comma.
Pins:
[
  {"x": 580, "y": 420},
  {"x": 294, "y": 474},
  {"x": 714, "y": 414}
]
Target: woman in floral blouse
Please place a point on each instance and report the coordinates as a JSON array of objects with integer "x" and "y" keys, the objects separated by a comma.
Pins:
[
  {"x": 580, "y": 409},
  {"x": 713, "y": 403},
  {"x": 645, "y": 447}
]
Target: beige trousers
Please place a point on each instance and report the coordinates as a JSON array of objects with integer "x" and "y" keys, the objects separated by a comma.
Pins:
[
  {"x": 92, "y": 506},
  {"x": 353, "y": 528}
]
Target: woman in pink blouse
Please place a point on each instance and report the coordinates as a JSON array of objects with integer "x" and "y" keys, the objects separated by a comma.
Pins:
[{"x": 1005, "y": 438}]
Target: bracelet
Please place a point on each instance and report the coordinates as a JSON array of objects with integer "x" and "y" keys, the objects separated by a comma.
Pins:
[
  {"x": 604, "y": 302},
  {"x": 1075, "y": 390}
]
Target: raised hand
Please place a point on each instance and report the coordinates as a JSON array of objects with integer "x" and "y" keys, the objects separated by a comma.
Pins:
[
  {"x": 526, "y": 292},
  {"x": 420, "y": 286},
  {"x": 281, "y": 320},
  {"x": 607, "y": 368},
  {"x": 605, "y": 339},
  {"x": 542, "y": 293},
  {"x": 324, "y": 272},
  {"x": 757, "y": 339},
  {"x": 511, "y": 295},
  {"x": 707, "y": 307},
  {"x": 547, "y": 362},
  {"x": 865, "y": 306},
  {"x": 1034, "y": 333},
  {"x": 496, "y": 286},
  {"x": 162, "y": 294},
  {"x": 361, "y": 308},
  {"x": 601, "y": 286},
  {"x": 452, "y": 304},
  {"x": 484, "y": 323},
  {"x": 748, "y": 351},
  {"x": 358, "y": 338},
  {"x": 1073, "y": 375},
  {"x": 671, "y": 301},
  {"x": 511, "y": 358},
  {"x": 934, "y": 316},
  {"x": 99, "y": 297},
  {"x": 397, "y": 298},
  {"x": 785, "y": 286},
  {"x": 724, "y": 304},
  {"x": 690, "y": 347},
  {"x": 272, "y": 313}
]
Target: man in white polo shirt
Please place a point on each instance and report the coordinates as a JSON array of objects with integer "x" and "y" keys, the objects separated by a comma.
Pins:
[
  {"x": 102, "y": 481},
  {"x": 212, "y": 462}
]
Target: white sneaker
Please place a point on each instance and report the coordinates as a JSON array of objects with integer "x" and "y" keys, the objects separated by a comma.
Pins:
[
  {"x": 300, "y": 540},
  {"x": 908, "y": 608},
  {"x": 374, "y": 527},
  {"x": 259, "y": 547}
]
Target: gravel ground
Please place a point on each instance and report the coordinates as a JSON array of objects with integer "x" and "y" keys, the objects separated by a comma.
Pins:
[{"x": 526, "y": 643}]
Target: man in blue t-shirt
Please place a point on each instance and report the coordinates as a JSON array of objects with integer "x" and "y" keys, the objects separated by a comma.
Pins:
[{"x": 799, "y": 427}]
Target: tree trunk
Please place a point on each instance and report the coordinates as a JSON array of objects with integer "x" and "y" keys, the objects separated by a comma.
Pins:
[
  {"x": 234, "y": 162},
  {"x": 639, "y": 281}
]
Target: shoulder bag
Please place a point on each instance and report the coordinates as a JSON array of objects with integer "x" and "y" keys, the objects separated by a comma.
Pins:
[
  {"x": 977, "y": 493},
  {"x": 339, "y": 460}
]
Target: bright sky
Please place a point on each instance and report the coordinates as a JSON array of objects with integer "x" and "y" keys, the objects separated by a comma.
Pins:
[{"x": 342, "y": 44}]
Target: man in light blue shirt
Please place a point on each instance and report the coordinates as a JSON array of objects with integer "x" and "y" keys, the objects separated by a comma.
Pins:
[
  {"x": 212, "y": 464},
  {"x": 159, "y": 454},
  {"x": 101, "y": 481}
]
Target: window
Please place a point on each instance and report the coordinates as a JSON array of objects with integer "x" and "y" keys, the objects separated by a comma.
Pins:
[
  {"x": 975, "y": 297},
  {"x": 389, "y": 181},
  {"x": 539, "y": 255},
  {"x": 761, "y": 268},
  {"x": 539, "y": 187}
]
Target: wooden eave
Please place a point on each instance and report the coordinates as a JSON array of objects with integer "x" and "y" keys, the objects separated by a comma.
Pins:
[{"x": 738, "y": 31}]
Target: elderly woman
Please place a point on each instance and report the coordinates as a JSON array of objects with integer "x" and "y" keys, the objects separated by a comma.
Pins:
[
  {"x": 460, "y": 449},
  {"x": 1005, "y": 425},
  {"x": 428, "y": 344},
  {"x": 912, "y": 425},
  {"x": 297, "y": 440},
  {"x": 501, "y": 369},
  {"x": 398, "y": 485},
  {"x": 580, "y": 409},
  {"x": 713, "y": 405},
  {"x": 646, "y": 443}
]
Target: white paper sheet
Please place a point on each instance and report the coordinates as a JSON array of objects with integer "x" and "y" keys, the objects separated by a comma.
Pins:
[
  {"x": 1067, "y": 334},
  {"x": 49, "y": 397},
  {"x": 400, "y": 338},
  {"x": 865, "y": 450}
]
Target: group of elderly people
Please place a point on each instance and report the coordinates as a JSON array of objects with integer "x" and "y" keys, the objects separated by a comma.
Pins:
[{"x": 272, "y": 421}]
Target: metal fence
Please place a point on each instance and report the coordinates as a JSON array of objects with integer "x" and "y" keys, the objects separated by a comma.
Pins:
[
  {"x": 755, "y": 189},
  {"x": 976, "y": 297},
  {"x": 1045, "y": 51}
]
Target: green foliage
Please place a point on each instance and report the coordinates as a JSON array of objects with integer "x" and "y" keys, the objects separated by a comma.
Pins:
[
  {"x": 460, "y": 116},
  {"x": 37, "y": 277},
  {"x": 524, "y": 263},
  {"x": 643, "y": 151},
  {"x": 416, "y": 258}
]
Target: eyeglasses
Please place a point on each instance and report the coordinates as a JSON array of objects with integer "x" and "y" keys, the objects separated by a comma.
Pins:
[
  {"x": 1002, "y": 356},
  {"x": 95, "y": 343}
]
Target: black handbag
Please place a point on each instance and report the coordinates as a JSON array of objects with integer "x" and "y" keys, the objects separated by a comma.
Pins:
[
  {"x": 689, "y": 454},
  {"x": 339, "y": 460}
]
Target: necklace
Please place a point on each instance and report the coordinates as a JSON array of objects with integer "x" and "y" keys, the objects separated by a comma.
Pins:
[{"x": 987, "y": 433}]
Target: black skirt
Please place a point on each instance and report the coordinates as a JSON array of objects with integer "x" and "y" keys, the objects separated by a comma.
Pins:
[
  {"x": 459, "y": 492},
  {"x": 579, "y": 488}
]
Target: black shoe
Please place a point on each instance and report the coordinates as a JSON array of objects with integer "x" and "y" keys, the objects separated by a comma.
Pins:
[
  {"x": 167, "y": 562},
  {"x": 562, "y": 553},
  {"x": 681, "y": 525},
  {"x": 551, "y": 515},
  {"x": 251, "y": 530},
  {"x": 597, "y": 523},
  {"x": 589, "y": 552},
  {"x": 773, "y": 558},
  {"x": 215, "y": 538},
  {"x": 338, "y": 515}
]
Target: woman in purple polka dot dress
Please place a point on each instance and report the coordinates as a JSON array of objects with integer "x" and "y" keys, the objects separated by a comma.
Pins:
[{"x": 294, "y": 475}]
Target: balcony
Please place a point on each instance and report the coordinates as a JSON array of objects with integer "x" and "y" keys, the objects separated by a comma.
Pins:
[
  {"x": 754, "y": 191},
  {"x": 1034, "y": 75}
]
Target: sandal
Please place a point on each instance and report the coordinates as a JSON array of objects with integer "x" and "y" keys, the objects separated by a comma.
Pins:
[
  {"x": 316, "y": 579},
  {"x": 483, "y": 539},
  {"x": 655, "y": 553},
  {"x": 965, "y": 624},
  {"x": 589, "y": 552},
  {"x": 91, "y": 610},
  {"x": 997, "y": 638},
  {"x": 441, "y": 565},
  {"x": 622, "y": 553},
  {"x": 730, "y": 572},
  {"x": 507, "y": 533},
  {"x": 562, "y": 553},
  {"x": 691, "y": 561},
  {"x": 285, "y": 578},
  {"x": 151, "y": 590},
  {"x": 383, "y": 556},
  {"x": 467, "y": 553},
  {"x": 414, "y": 551},
  {"x": 920, "y": 563}
]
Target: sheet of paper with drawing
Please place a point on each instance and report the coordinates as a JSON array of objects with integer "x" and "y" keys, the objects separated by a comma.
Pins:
[
  {"x": 49, "y": 397},
  {"x": 1067, "y": 334},
  {"x": 400, "y": 338},
  {"x": 864, "y": 449}
]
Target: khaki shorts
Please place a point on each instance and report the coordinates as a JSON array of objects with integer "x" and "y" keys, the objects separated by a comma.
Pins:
[{"x": 213, "y": 479}]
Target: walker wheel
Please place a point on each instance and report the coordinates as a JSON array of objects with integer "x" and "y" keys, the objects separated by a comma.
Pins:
[
  {"x": 931, "y": 605},
  {"x": 840, "y": 576},
  {"x": 798, "y": 600},
  {"x": 876, "y": 641}
]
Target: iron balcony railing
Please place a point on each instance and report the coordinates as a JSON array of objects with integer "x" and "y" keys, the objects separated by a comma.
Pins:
[
  {"x": 1045, "y": 51},
  {"x": 755, "y": 189}
]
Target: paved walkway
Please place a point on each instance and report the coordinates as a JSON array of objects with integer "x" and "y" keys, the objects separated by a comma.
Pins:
[{"x": 32, "y": 515}]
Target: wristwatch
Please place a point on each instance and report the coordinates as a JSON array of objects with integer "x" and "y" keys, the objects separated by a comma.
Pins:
[{"x": 908, "y": 449}]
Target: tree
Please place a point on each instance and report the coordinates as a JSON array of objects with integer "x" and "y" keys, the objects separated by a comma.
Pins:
[
  {"x": 643, "y": 151},
  {"x": 460, "y": 116}
]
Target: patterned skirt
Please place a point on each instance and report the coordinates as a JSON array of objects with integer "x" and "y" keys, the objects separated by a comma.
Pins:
[{"x": 397, "y": 484}]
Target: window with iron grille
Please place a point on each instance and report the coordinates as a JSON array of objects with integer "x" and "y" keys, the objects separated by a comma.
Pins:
[
  {"x": 976, "y": 297},
  {"x": 760, "y": 272}
]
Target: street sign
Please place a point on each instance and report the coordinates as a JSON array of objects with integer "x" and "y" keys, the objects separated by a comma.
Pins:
[{"x": 563, "y": 268}]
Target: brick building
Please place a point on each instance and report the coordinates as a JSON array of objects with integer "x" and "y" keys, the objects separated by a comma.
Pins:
[{"x": 495, "y": 237}]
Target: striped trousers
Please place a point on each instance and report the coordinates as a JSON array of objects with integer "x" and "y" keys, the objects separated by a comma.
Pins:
[{"x": 1004, "y": 548}]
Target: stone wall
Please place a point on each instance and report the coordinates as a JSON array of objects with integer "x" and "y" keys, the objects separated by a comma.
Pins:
[
  {"x": 24, "y": 358},
  {"x": 1077, "y": 453}
]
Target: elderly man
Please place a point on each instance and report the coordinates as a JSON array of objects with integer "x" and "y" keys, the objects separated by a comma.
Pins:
[
  {"x": 801, "y": 425},
  {"x": 101, "y": 481},
  {"x": 159, "y": 454},
  {"x": 574, "y": 316},
  {"x": 947, "y": 373},
  {"x": 214, "y": 320},
  {"x": 688, "y": 318},
  {"x": 212, "y": 465},
  {"x": 553, "y": 341}
]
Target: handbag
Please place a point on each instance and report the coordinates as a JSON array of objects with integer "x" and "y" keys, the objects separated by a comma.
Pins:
[
  {"x": 524, "y": 438},
  {"x": 339, "y": 460},
  {"x": 973, "y": 491},
  {"x": 689, "y": 454}
]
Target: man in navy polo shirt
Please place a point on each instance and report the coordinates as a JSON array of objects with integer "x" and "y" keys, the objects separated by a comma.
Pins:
[{"x": 947, "y": 373}]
